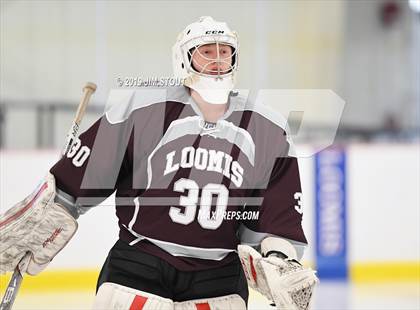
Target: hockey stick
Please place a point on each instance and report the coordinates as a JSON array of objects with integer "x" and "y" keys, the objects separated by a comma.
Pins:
[
  {"x": 88, "y": 90},
  {"x": 17, "y": 277},
  {"x": 13, "y": 287}
]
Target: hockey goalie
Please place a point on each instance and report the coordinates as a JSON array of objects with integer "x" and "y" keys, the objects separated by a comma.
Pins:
[{"x": 188, "y": 163}]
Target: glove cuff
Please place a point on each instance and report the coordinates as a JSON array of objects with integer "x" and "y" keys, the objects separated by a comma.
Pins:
[{"x": 276, "y": 245}]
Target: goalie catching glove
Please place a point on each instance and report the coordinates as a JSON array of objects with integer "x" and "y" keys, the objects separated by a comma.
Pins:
[
  {"x": 38, "y": 226},
  {"x": 277, "y": 274}
]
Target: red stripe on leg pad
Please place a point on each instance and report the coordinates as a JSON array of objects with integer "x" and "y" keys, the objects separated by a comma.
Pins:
[
  {"x": 203, "y": 306},
  {"x": 254, "y": 273},
  {"x": 138, "y": 303}
]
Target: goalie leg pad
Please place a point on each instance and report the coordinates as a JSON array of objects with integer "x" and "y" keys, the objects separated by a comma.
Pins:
[
  {"x": 119, "y": 297},
  {"x": 36, "y": 225},
  {"x": 229, "y": 302}
]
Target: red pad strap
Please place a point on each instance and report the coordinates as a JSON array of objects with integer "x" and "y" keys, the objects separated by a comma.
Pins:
[
  {"x": 253, "y": 272},
  {"x": 203, "y": 306},
  {"x": 138, "y": 303}
]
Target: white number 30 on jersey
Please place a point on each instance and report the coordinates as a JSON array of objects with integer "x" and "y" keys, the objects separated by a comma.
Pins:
[
  {"x": 78, "y": 153},
  {"x": 189, "y": 202}
]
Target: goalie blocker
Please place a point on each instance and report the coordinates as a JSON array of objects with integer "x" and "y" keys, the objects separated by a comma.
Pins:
[{"x": 37, "y": 225}]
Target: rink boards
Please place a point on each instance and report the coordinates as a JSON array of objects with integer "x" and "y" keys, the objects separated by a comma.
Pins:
[{"x": 374, "y": 231}]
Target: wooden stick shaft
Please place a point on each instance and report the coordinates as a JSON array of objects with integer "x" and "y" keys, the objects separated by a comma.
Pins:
[{"x": 88, "y": 90}]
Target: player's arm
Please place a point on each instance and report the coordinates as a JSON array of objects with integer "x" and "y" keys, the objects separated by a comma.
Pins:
[
  {"x": 44, "y": 222},
  {"x": 90, "y": 170}
]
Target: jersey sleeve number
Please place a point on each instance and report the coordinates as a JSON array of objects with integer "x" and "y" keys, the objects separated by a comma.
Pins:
[
  {"x": 299, "y": 206},
  {"x": 190, "y": 201},
  {"x": 78, "y": 153}
]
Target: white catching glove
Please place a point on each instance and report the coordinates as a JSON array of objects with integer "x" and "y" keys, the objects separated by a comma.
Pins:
[
  {"x": 282, "y": 280},
  {"x": 36, "y": 225}
]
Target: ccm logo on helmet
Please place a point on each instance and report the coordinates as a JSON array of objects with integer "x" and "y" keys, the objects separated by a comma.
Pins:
[{"x": 215, "y": 31}]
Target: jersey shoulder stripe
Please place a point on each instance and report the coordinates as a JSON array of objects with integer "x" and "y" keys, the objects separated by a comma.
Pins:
[
  {"x": 243, "y": 102},
  {"x": 271, "y": 121},
  {"x": 122, "y": 102}
]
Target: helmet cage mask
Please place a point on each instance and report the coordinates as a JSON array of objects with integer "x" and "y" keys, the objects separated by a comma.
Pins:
[{"x": 192, "y": 46}]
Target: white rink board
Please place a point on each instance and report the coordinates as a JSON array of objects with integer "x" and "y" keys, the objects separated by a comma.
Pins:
[{"x": 383, "y": 205}]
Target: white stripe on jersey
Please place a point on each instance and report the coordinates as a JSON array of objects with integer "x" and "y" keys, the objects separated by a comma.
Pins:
[
  {"x": 176, "y": 249},
  {"x": 191, "y": 126}
]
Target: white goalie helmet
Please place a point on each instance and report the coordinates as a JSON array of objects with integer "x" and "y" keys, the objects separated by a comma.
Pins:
[{"x": 213, "y": 85}]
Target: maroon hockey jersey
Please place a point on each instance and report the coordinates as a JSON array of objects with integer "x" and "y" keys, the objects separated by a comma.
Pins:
[{"x": 187, "y": 190}]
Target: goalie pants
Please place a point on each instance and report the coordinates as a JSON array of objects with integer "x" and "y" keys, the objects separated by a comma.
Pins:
[{"x": 130, "y": 267}]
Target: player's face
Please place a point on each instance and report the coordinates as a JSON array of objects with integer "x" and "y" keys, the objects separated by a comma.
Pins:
[{"x": 212, "y": 59}]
